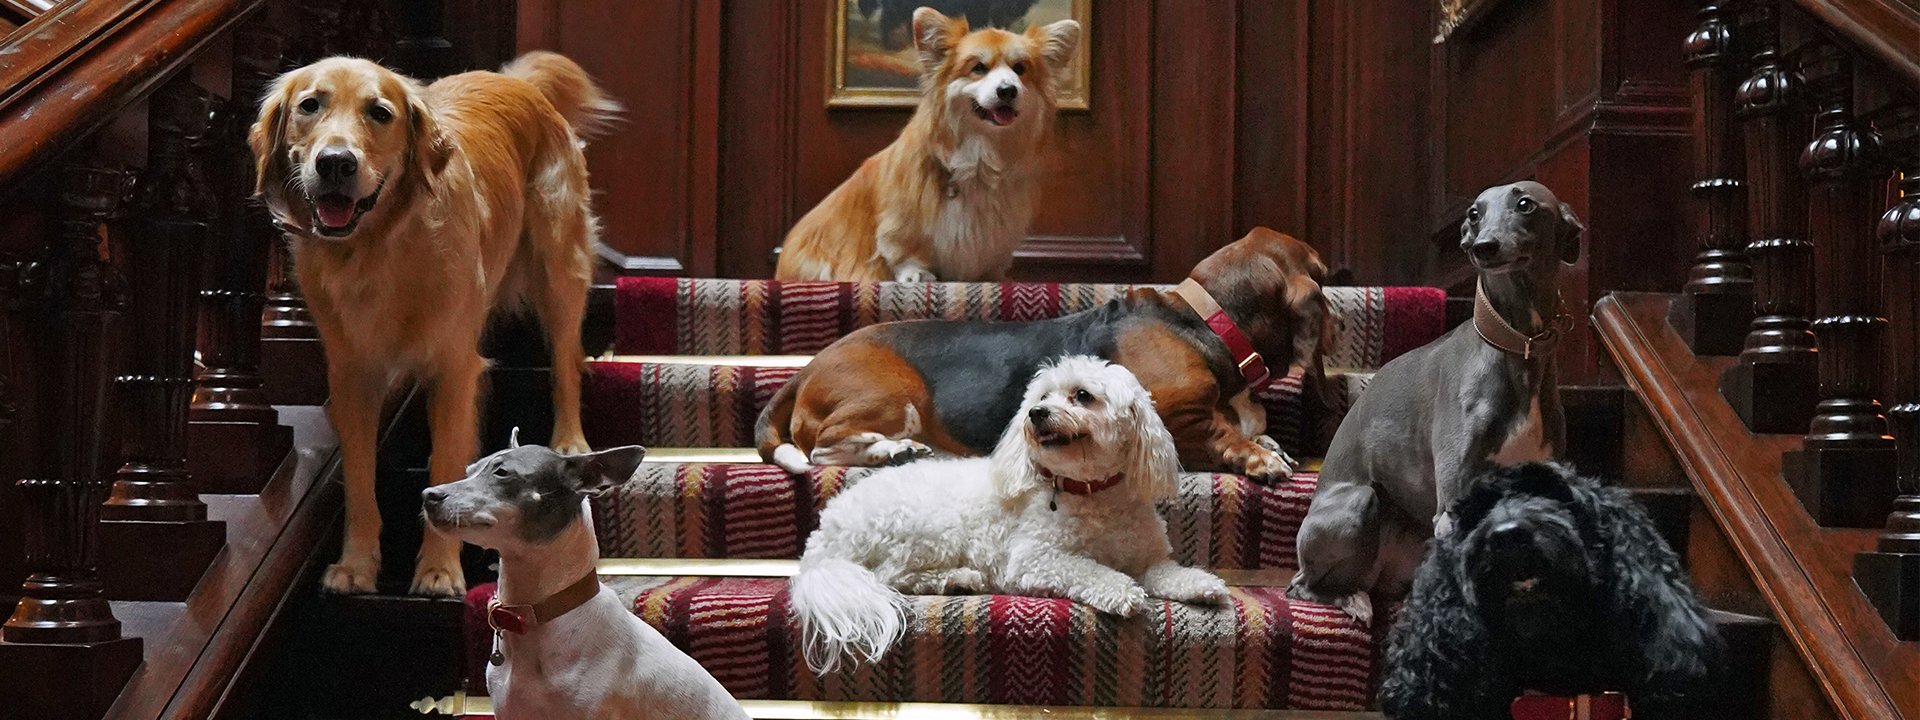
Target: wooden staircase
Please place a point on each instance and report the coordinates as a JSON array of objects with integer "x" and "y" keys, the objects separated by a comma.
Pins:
[{"x": 177, "y": 485}]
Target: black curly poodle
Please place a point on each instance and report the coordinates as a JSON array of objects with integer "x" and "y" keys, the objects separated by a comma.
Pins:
[{"x": 1551, "y": 583}]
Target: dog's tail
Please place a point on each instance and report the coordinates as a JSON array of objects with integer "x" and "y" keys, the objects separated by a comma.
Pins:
[
  {"x": 586, "y": 107},
  {"x": 844, "y": 610},
  {"x": 770, "y": 431}
]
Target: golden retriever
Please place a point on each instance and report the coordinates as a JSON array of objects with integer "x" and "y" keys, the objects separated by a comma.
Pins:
[
  {"x": 954, "y": 194},
  {"x": 416, "y": 211}
]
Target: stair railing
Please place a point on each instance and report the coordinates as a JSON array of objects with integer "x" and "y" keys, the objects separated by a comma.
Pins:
[
  {"x": 132, "y": 380},
  {"x": 1811, "y": 161}
]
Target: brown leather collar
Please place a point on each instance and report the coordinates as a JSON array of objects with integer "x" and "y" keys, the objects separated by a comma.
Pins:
[
  {"x": 1251, "y": 365},
  {"x": 1495, "y": 330},
  {"x": 518, "y": 619}
]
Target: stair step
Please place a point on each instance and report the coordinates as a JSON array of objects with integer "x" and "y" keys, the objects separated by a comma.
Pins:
[
  {"x": 683, "y": 316},
  {"x": 688, "y": 404},
  {"x": 1260, "y": 651},
  {"x": 671, "y": 510}
]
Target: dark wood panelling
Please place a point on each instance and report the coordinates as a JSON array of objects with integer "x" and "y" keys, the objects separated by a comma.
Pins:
[{"x": 655, "y": 175}]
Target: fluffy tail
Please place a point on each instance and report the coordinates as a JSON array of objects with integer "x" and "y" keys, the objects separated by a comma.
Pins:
[
  {"x": 844, "y": 610},
  {"x": 770, "y": 431},
  {"x": 565, "y": 84}
]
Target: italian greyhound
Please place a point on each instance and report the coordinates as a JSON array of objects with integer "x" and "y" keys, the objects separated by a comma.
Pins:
[
  {"x": 1482, "y": 395},
  {"x": 564, "y": 645}
]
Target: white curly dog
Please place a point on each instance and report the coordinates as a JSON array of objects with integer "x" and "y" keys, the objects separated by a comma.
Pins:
[{"x": 1065, "y": 507}]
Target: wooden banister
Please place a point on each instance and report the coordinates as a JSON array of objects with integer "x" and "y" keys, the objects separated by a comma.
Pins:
[
  {"x": 1888, "y": 29},
  {"x": 70, "y": 70}
]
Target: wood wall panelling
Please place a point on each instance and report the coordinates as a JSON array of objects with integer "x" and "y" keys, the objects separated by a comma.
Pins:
[{"x": 654, "y": 176}]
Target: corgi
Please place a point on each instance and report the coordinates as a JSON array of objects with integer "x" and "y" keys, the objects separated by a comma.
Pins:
[{"x": 953, "y": 195}]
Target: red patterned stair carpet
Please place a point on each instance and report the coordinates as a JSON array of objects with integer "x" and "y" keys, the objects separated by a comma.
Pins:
[{"x": 1262, "y": 650}]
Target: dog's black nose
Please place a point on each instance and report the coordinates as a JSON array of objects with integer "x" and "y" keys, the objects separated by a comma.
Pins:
[
  {"x": 1039, "y": 414},
  {"x": 1008, "y": 92},
  {"x": 431, "y": 498},
  {"x": 1507, "y": 534},
  {"x": 336, "y": 163},
  {"x": 1485, "y": 251}
]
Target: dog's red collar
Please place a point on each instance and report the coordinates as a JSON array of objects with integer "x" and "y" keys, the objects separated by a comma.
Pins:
[
  {"x": 1251, "y": 365},
  {"x": 1602, "y": 706},
  {"x": 518, "y": 619},
  {"x": 1071, "y": 486}
]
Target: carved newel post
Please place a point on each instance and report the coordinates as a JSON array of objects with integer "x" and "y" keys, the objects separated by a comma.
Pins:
[
  {"x": 1890, "y": 576},
  {"x": 61, "y": 651},
  {"x": 157, "y": 540},
  {"x": 1712, "y": 313},
  {"x": 1774, "y": 387},
  {"x": 1845, "y": 473},
  {"x": 236, "y": 439}
]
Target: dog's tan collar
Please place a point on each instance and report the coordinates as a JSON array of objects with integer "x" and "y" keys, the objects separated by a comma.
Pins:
[
  {"x": 1498, "y": 333},
  {"x": 518, "y": 619},
  {"x": 1252, "y": 366}
]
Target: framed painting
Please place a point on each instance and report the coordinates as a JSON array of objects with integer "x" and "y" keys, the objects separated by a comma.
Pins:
[{"x": 871, "y": 61}]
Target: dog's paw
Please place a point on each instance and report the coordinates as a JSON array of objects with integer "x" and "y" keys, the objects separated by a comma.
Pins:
[
  {"x": 575, "y": 445},
  {"x": 913, "y": 274},
  {"x": 1125, "y": 602},
  {"x": 439, "y": 581},
  {"x": 1270, "y": 444},
  {"x": 1357, "y": 606},
  {"x": 1264, "y": 464},
  {"x": 1189, "y": 585},
  {"x": 351, "y": 577}
]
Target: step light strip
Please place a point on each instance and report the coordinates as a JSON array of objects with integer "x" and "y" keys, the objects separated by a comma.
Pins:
[{"x": 464, "y": 705}]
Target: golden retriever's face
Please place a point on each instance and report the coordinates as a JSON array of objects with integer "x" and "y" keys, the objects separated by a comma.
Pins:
[
  {"x": 333, "y": 136},
  {"x": 993, "y": 76}
]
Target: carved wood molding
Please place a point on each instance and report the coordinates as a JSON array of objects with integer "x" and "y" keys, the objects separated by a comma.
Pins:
[
  {"x": 71, "y": 70},
  {"x": 1888, "y": 29},
  {"x": 1804, "y": 571}
]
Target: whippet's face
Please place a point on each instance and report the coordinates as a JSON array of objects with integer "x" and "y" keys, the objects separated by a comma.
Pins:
[
  {"x": 1520, "y": 227},
  {"x": 524, "y": 496}
]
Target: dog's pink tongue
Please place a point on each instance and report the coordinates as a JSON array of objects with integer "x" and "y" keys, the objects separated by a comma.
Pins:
[
  {"x": 335, "y": 211},
  {"x": 1004, "y": 115}
]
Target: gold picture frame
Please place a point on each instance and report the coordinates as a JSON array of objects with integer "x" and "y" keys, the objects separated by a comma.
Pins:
[{"x": 874, "y": 75}]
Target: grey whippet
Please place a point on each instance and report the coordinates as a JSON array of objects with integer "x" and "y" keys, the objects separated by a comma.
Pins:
[
  {"x": 565, "y": 646},
  {"x": 1484, "y": 394}
]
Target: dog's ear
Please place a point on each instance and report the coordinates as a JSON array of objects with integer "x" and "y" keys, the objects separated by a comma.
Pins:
[
  {"x": 1058, "y": 42},
  {"x": 1014, "y": 471},
  {"x": 426, "y": 143},
  {"x": 1568, "y": 239},
  {"x": 267, "y": 137},
  {"x": 934, "y": 35},
  {"x": 596, "y": 473},
  {"x": 1154, "y": 462},
  {"x": 1436, "y": 661},
  {"x": 1647, "y": 598}
]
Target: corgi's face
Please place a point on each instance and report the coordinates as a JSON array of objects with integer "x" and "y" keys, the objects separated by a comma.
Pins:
[{"x": 993, "y": 76}]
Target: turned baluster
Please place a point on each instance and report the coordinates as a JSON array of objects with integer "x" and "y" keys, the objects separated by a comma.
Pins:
[
  {"x": 292, "y": 359},
  {"x": 61, "y": 651},
  {"x": 1713, "y": 312},
  {"x": 164, "y": 268},
  {"x": 1890, "y": 576},
  {"x": 1845, "y": 474},
  {"x": 1773, "y": 389},
  {"x": 422, "y": 47},
  {"x": 230, "y": 411}
]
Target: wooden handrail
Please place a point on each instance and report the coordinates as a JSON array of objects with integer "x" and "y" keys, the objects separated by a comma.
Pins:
[
  {"x": 72, "y": 69},
  {"x": 1889, "y": 29},
  {"x": 22, "y": 11},
  {"x": 1800, "y": 568}
]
